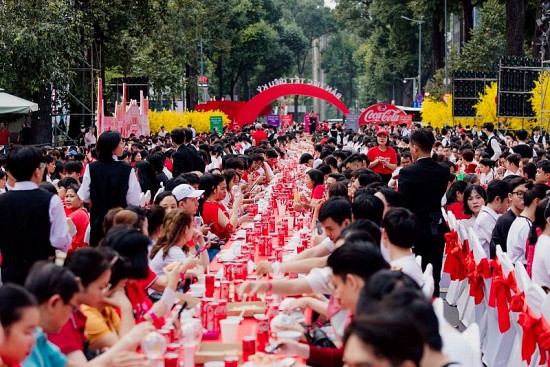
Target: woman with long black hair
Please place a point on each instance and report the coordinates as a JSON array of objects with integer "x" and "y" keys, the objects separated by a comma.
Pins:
[{"x": 108, "y": 183}]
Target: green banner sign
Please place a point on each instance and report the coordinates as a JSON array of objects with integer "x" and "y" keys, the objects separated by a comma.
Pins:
[{"x": 216, "y": 123}]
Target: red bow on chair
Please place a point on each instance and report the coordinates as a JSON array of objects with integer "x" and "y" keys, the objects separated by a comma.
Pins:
[
  {"x": 517, "y": 302},
  {"x": 500, "y": 295},
  {"x": 453, "y": 261},
  {"x": 530, "y": 325},
  {"x": 543, "y": 340},
  {"x": 477, "y": 275}
]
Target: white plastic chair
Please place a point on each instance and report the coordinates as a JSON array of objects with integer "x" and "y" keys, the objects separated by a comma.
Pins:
[
  {"x": 457, "y": 346},
  {"x": 496, "y": 351},
  {"x": 429, "y": 284}
]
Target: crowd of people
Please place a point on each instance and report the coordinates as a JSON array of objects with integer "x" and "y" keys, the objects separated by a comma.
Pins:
[{"x": 98, "y": 241}]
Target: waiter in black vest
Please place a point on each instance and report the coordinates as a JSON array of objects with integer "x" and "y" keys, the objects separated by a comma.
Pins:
[
  {"x": 108, "y": 183},
  {"x": 423, "y": 184},
  {"x": 32, "y": 221},
  {"x": 524, "y": 150}
]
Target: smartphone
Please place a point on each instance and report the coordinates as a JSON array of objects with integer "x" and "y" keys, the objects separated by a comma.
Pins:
[{"x": 319, "y": 228}]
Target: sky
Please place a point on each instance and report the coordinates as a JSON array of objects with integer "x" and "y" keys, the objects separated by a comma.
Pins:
[{"x": 330, "y": 3}]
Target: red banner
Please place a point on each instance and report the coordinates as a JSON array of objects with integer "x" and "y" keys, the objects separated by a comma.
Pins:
[
  {"x": 384, "y": 113},
  {"x": 286, "y": 120}
]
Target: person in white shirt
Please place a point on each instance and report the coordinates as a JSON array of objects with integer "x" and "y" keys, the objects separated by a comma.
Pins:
[
  {"x": 537, "y": 138},
  {"x": 406, "y": 160},
  {"x": 475, "y": 197},
  {"x": 541, "y": 261},
  {"x": 162, "y": 133},
  {"x": 173, "y": 244},
  {"x": 90, "y": 138},
  {"x": 493, "y": 147},
  {"x": 446, "y": 141},
  {"x": 497, "y": 204},
  {"x": 399, "y": 228},
  {"x": 486, "y": 172},
  {"x": 521, "y": 226},
  {"x": 512, "y": 165}
]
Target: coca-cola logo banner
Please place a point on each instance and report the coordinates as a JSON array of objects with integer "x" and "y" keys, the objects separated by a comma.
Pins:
[{"x": 383, "y": 113}]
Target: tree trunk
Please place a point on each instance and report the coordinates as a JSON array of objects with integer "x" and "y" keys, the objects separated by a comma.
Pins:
[
  {"x": 220, "y": 77},
  {"x": 515, "y": 20},
  {"x": 468, "y": 18},
  {"x": 191, "y": 74},
  {"x": 296, "y": 118},
  {"x": 536, "y": 52},
  {"x": 437, "y": 58}
]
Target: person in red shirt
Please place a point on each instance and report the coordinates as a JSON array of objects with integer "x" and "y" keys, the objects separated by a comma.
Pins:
[
  {"x": 455, "y": 200},
  {"x": 78, "y": 215},
  {"x": 383, "y": 159},
  {"x": 258, "y": 135},
  {"x": 4, "y": 135}
]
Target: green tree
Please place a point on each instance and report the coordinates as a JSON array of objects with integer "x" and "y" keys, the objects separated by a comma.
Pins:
[
  {"x": 488, "y": 39},
  {"x": 341, "y": 65},
  {"x": 41, "y": 44}
]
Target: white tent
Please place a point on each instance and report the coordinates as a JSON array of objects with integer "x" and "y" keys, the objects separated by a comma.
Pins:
[{"x": 13, "y": 104}]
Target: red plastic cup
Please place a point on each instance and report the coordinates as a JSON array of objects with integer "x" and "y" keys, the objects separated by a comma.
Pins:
[
  {"x": 171, "y": 359},
  {"x": 249, "y": 347},
  {"x": 209, "y": 280},
  {"x": 231, "y": 361},
  {"x": 224, "y": 289}
]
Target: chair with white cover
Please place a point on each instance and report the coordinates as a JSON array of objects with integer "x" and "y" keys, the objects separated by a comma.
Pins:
[
  {"x": 458, "y": 347},
  {"x": 429, "y": 284},
  {"x": 456, "y": 287},
  {"x": 545, "y": 310},
  {"x": 160, "y": 190},
  {"x": 472, "y": 335},
  {"x": 463, "y": 306},
  {"x": 480, "y": 310},
  {"x": 418, "y": 260},
  {"x": 497, "y": 349},
  {"x": 524, "y": 283},
  {"x": 147, "y": 197},
  {"x": 535, "y": 297}
]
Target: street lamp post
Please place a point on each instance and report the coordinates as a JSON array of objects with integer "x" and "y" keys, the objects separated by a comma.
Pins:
[
  {"x": 414, "y": 86},
  {"x": 419, "y": 22}
]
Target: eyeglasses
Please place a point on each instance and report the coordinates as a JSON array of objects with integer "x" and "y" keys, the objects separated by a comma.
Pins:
[{"x": 519, "y": 194}]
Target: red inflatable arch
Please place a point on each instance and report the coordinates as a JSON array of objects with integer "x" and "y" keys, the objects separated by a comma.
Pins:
[{"x": 254, "y": 107}]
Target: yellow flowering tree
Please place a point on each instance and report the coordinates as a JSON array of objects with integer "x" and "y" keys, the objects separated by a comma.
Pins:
[
  {"x": 172, "y": 120},
  {"x": 540, "y": 100},
  {"x": 486, "y": 109},
  {"x": 439, "y": 113}
]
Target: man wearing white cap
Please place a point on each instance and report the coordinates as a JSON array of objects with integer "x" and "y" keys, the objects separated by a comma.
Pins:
[{"x": 187, "y": 198}]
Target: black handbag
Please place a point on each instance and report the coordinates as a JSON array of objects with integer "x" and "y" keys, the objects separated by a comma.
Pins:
[{"x": 318, "y": 338}]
